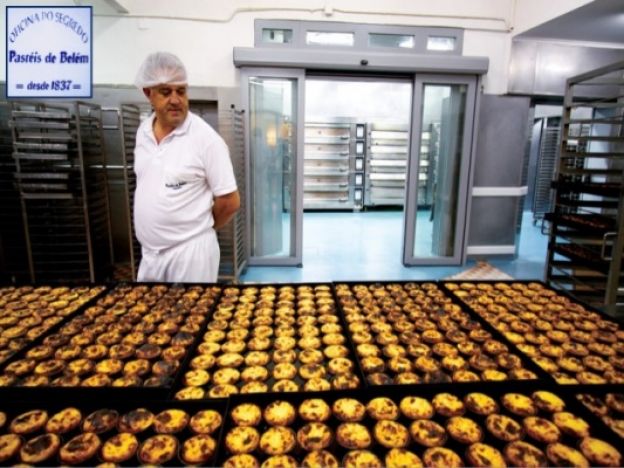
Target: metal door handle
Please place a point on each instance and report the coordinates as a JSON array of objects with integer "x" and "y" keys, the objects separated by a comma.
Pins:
[{"x": 605, "y": 239}]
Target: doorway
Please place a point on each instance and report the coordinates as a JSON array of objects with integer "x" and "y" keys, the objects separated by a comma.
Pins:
[
  {"x": 356, "y": 144},
  {"x": 377, "y": 165}
]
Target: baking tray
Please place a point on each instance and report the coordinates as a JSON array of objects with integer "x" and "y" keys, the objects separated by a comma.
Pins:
[
  {"x": 39, "y": 146},
  {"x": 593, "y": 261},
  {"x": 41, "y": 156},
  {"x": 269, "y": 366},
  {"x": 589, "y": 308},
  {"x": 605, "y": 190},
  {"x": 609, "y": 416},
  {"x": 496, "y": 335},
  {"x": 122, "y": 406},
  {"x": 270, "y": 381},
  {"x": 396, "y": 393},
  {"x": 109, "y": 392},
  {"x": 582, "y": 222},
  {"x": 30, "y": 343},
  {"x": 562, "y": 292}
]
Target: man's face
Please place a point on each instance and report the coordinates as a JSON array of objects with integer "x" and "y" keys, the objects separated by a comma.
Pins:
[{"x": 170, "y": 103}]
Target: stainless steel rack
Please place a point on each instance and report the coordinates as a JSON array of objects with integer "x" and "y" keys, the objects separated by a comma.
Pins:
[
  {"x": 386, "y": 164},
  {"x": 130, "y": 118},
  {"x": 60, "y": 174},
  {"x": 329, "y": 163},
  {"x": 586, "y": 240},
  {"x": 231, "y": 238},
  {"x": 13, "y": 255},
  {"x": 546, "y": 166}
]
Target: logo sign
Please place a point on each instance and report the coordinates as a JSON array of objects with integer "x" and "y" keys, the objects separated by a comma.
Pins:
[{"x": 49, "y": 52}]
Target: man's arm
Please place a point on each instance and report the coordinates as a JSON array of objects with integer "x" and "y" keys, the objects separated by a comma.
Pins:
[{"x": 224, "y": 208}]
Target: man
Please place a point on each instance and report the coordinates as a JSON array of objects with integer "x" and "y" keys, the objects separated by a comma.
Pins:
[{"x": 185, "y": 182}]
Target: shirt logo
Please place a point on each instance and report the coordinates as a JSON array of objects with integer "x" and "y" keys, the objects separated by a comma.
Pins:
[{"x": 176, "y": 185}]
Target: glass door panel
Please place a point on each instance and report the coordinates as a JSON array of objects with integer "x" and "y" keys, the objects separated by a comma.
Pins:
[
  {"x": 439, "y": 170},
  {"x": 273, "y": 166}
]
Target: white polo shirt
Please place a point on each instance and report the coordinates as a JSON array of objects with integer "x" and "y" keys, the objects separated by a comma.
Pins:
[{"x": 177, "y": 181}]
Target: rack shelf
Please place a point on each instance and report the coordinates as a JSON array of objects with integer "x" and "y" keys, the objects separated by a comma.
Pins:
[
  {"x": 332, "y": 176},
  {"x": 61, "y": 180},
  {"x": 586, "y": 241},
  {"x": 386, "y": 164}
]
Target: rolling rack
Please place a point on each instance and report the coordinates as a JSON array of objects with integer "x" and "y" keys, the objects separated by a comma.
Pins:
[
  {"x": 231, "y": 238},
  {"x": 386, "y": 164},
  {"x": 328, "y": 165},
  {"x": 13, "y": 256},
  {"x": 586, "y": 240},
  {"x": 546, "y": 165},
  {"x": 129, "y": 121},
  {"x": 61, "y": 177}
]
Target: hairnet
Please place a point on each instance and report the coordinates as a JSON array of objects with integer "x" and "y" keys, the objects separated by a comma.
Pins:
[{"x": 160, "y": 68}]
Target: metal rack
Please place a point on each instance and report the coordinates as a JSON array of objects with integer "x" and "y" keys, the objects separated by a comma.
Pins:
[
  {"x": 386, "y": 164},
  {"x": 587, "y": 223},
  {"x": 231, "y": 238},
  {"x": 13, "y": 255},
  {"x": 546, "y": 165},
  {"x": 61, "y": 177},
  {"x": 328, "y": 165},
  {"x": 130, "y": 118}
]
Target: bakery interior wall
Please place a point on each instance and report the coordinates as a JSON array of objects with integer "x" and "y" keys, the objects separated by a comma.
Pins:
[{"x": 203, "y": 34}]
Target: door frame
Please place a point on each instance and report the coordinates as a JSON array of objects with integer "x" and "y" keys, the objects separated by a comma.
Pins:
[
  {"x": 465, "y": 182},
  {"x": 296, "y": 227}
]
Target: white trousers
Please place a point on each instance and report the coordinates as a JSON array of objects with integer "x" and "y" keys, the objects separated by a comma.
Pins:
[{"x": 194, "y": 261}]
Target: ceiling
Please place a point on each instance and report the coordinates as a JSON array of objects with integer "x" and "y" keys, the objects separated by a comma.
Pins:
[{"x": 598, "y": 21}]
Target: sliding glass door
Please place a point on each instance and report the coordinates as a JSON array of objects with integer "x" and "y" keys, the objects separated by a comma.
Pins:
[
  {"x": 439, "y": 167},
  {"x": 274, "y": 104}
]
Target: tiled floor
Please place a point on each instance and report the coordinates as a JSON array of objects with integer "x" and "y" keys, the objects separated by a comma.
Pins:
[{"x": 368, "y": 246}]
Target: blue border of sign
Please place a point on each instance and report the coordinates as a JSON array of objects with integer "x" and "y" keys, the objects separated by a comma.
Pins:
[{"x": 6, "y": 52}]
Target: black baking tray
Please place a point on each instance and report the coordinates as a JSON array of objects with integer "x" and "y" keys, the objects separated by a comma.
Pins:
[
  {"x": 612, "y": 387},
  {"x": 397, "y": 392},
  {"x": 86, "y": 406},
  {"x": 600, "y": 392},
  {"x": 605, "y": 190},
  {"x": 581, "y": 222},
  {"x": 580, "y": 387},
  {"x": 349, "y": 344},
  {"x": 49, "y": 393},
  {"x": 527, "y": 363},
  {"x": 55, "y": 328},
  {"x": 563, "y": 292},
  {"x": 590, "y": 308},
  {"x": 184, "y": 364},
  {"x": 592, "y": 262}
]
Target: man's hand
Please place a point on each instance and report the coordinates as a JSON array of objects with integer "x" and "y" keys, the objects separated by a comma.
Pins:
[{"x": 224, "y": 208}]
